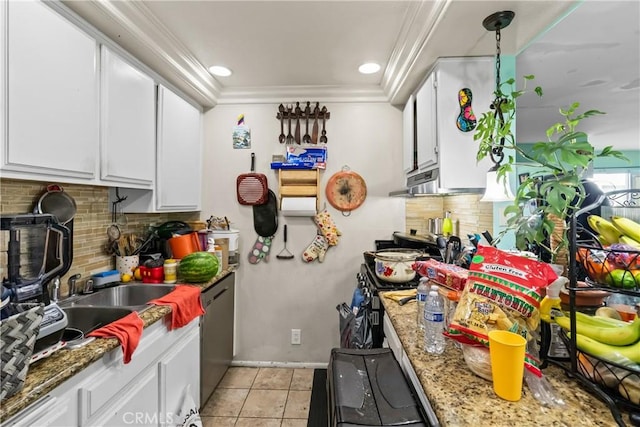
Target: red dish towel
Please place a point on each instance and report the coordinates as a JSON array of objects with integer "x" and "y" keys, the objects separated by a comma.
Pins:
[
  {"x": 185, "y": 304},
  {"x": 126, "y": 330}
]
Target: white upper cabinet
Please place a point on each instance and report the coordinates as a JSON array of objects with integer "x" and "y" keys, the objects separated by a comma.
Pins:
[
  {"x": 127, "y": 122},
  {"x": 457, "y": 149},
  {"x": 408, "y": 135},
  {"x": 52, "y": 95},
  {"x": 179, "y": 153},
  {"x": 426, "y": 123}
]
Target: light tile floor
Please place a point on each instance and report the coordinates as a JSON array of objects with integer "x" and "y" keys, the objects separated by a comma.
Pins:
[{"x": 260, "y": 397}]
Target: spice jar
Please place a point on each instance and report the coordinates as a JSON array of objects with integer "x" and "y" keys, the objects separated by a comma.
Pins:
[{"x": 170, "y": 271}]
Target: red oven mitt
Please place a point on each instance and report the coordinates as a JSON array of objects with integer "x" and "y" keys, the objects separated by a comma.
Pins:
[
  {"x": 185, "y": 304},
  {"x": 126, "y": 330}
]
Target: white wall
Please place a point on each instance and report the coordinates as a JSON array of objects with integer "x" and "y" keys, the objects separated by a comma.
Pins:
[{"x": 273, "y": 298}]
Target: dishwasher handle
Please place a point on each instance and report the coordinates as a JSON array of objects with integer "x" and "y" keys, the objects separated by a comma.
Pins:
[{"x": 208, "y": 301}]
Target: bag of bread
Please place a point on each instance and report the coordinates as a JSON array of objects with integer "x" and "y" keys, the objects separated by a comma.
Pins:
[{"x": 503, "y": 291}]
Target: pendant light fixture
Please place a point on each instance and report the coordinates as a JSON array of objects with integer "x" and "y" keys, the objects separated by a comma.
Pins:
[{"x": 494, "y": 190}]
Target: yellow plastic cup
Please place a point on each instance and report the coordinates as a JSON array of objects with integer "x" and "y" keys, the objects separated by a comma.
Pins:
[{"x": 507, "y": 350}]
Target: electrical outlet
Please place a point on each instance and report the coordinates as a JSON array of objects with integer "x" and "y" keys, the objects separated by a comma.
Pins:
[{"x": 295, "y": 336}]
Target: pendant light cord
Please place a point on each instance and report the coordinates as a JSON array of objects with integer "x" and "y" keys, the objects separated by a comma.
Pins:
[{"x": 496, "y": 153}]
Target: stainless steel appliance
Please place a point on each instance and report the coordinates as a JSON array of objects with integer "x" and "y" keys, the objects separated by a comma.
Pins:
[
  {"x": 216, "y": 335},
  {"x": 38, "y": 250}
]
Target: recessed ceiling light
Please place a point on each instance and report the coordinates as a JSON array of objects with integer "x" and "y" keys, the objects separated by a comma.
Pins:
[
  {"x": 369, "y": 68},
  {"x": 219, "y": 70}
]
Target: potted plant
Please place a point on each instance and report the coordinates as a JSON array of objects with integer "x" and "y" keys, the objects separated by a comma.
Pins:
[{"x": 554, "y": 188}]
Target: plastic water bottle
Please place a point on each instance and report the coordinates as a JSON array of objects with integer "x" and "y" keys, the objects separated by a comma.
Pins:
[
  {"x": 434, "y": 323},
  {"x": 421, "y": 299}
]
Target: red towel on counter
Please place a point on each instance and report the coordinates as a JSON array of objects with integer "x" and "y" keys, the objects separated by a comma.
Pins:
[
  {"x": 185, "y": 304},
  {"x": 126, "y": 330}
]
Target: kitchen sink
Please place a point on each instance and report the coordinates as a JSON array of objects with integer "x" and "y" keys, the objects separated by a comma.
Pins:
[
  {"x": 86, "y": 318},
  {"x": 130, "y": 296}
]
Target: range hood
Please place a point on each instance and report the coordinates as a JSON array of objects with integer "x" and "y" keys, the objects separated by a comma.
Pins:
[{"x": 429, "y": 183}]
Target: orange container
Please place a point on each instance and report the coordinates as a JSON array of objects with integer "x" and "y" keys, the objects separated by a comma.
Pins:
[{"x": 182, "y": 246}]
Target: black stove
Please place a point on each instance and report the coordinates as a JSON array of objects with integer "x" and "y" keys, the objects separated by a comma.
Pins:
[{"x": 368, "y": 279}]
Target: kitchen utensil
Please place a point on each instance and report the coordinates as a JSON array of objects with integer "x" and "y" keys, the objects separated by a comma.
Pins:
[
  {"x": 289, "y": 140},
  {"x": 252, "y": 187},
  {"x": 346, "y": 190},
  {"x": 454, "y": 246},
  {"x": 488, "y": 237},
  {"x": 297, "y": 111},
  {"x": 314, "y": 131},
  {"x": 113, "y": 232},
  {"x": 405, "y": 300},
  {"x": 282, "y": 137},
  {"x": 323, "y": 136},
  {"x": 435, "y": 225},
  {"x": 307, "y": 112},
  {"x": 265, "y": 216},
  {"x": 57, "y": 202},
  {"x": 395, "y": 265},
  {"x": 284, "y": 253}
]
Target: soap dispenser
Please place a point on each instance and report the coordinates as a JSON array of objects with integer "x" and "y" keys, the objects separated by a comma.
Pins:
[{"x": 447, "y": 224}]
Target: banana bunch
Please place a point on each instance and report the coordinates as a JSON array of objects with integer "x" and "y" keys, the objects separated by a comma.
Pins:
[
  {"x": 618, "y": 230},
  {"x": 613, "y": 341},
  {"x": 604, "y": 337}
]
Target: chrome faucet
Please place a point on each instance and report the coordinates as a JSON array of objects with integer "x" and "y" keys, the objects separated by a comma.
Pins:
[
  {"x": 54, "y": 291},
  {"x": 88, "y": 286},
  {"x": 72, "y": 285}
]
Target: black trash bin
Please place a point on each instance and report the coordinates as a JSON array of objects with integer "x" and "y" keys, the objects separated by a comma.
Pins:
[{"x": 368, "y": 388}]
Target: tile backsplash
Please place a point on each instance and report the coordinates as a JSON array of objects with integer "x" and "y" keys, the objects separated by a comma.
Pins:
[
  {"x": 474, "y": 216},
  {"x": 90, "y": 223}
]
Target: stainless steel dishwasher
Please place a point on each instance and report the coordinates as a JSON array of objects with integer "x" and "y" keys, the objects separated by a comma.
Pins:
[{"x": 216, "y": 335}]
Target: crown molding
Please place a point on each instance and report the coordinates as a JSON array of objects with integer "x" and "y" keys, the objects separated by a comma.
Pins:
[
  {"x": 420, "y": 22},
  {"x": 276, "y": 94},
  {"x": 179, "y": 63}
]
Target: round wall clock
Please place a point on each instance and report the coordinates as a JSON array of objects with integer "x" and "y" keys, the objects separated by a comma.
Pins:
[{"x": 346, "y": 190}]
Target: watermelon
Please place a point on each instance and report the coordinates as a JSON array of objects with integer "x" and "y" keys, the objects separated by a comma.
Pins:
[{"x": 198, "y": 267}]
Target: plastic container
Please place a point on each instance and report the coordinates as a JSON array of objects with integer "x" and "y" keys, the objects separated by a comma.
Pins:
[
  {"x": 421, "y": 298},
  {"x": 434, "y": 323},
  {"x": 452, "y": 300},
  {"x": 170, "y": 271},
  {"x": 152, "y": 274}
]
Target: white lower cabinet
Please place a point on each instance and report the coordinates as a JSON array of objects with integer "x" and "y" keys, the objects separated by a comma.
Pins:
[{"x": 149, "y": 390}]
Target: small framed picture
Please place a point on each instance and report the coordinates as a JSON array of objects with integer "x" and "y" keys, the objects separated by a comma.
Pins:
[{"x": 522, "y": 178}]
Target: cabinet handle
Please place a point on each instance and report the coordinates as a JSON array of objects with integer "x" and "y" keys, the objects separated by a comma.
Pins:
[{"x": 220, "y": 293}]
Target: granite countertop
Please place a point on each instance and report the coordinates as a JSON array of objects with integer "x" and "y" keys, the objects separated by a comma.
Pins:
[
  {"x": 460, "y": 398},
  {"x": 46, "y": 374}
]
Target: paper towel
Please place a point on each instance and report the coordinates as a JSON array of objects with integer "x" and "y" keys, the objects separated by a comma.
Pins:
[{"x": 298, "y": 206}]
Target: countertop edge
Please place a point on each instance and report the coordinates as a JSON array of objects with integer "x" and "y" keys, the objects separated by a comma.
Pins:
[{"x": 49, "y": 373}]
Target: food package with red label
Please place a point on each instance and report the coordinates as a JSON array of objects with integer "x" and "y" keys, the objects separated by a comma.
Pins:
[{"x": 448, "y": 275}]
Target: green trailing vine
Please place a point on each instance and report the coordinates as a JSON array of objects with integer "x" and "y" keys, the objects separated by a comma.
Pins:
[{"x": 554, "y": 187}]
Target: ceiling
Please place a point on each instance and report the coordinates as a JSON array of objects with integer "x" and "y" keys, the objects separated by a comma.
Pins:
[
  {"x": 291, "y": 49},
  {"x": 284, "y": 50},
  {"x": 592, "y": 57}
]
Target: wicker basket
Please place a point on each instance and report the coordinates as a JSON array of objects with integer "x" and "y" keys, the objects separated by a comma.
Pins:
[{"x": 17, "y": 339}]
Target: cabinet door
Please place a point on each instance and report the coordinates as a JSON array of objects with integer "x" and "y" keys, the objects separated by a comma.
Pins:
[
  {"x": 127, "y": 122},
  {"x": 52, "y": 94},
  {"x": 179, "y": 173},
  {"x": 49, "y": 411},
  {"x": 137, "y": 404},
  {"x": 178, "y": 369},
  {"x": 408, "y": 136},
  {"x": 426, "y": 122}
]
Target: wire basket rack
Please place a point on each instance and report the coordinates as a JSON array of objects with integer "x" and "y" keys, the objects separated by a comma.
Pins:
[{"x": 620, "y": 380}]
